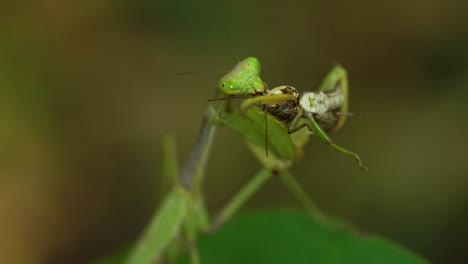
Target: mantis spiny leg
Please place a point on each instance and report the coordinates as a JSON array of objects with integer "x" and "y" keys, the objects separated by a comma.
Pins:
[{"x": 265, "y": 100}]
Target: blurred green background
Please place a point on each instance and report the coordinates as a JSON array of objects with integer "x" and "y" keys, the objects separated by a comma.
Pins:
[{"x": 88, "y": 89}]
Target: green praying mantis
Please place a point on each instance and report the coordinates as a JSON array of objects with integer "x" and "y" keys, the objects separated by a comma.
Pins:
[
  {"x": 270, "y": 122},
  {"x": 327, "y": 107}
]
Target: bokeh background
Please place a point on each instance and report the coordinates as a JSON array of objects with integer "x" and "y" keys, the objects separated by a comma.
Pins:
[{"x": 88, "y": 89}]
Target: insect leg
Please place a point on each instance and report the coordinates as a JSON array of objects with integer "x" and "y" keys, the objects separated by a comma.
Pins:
[
  {"x": 312, "y": 124},
  {"x": 240, "y": 198},
  {"x": 294, "y": 127}
]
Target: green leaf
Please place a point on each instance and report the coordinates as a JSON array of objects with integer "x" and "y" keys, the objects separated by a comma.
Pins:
[{"x": 287, "y": 237}]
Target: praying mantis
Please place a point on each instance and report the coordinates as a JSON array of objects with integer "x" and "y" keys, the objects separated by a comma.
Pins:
[
  {"x": 327, "y": 107},
  {"x": 270, "y": 128}
]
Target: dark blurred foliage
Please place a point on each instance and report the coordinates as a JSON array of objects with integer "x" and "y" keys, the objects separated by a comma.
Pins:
[{"x": 88, "y": 88}]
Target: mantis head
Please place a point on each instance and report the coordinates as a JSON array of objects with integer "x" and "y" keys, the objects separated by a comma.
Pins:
[
  {"x": 243, "y": 79},
  {"x": 231, "y": 86}
]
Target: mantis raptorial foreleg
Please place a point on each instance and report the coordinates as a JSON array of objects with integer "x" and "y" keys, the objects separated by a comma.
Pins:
[{"x": 265, "y": 100}]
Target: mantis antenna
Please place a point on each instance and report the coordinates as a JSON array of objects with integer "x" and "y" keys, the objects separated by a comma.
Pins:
[
  {"x": 231, "y": 97},
  {"x": 201, "y": 71}
]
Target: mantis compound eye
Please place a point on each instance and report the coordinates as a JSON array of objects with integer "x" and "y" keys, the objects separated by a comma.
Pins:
[{"x": 230, "y": 87}]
